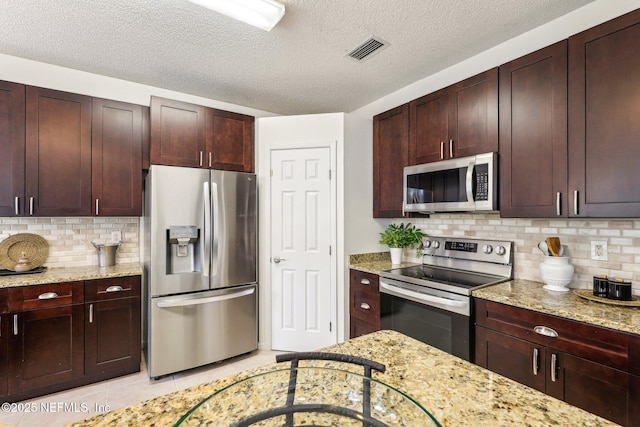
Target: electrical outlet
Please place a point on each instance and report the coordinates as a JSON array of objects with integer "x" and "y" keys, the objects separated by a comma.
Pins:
[
  {"x": 599, "y": 250},
  {"x": 116, "y": 236}
]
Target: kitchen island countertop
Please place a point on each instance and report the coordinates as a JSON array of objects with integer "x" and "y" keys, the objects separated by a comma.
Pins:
[
  {"x": 456, "y": 392},
  {"x": 71, "y": 274}
]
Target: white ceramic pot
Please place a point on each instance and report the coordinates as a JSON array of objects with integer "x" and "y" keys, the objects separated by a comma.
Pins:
[
  {"x": 396, "y": 255},
  {"x": 556, "y": 273}
]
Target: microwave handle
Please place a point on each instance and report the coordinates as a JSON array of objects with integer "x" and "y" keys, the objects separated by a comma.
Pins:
[{"x": 469, "y": 182}]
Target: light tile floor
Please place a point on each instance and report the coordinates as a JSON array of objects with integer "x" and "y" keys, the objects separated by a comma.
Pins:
[{"x": 79, "y": 403}]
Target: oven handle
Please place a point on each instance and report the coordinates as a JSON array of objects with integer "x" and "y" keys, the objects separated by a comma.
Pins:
[{"x": 423, "y": 297}]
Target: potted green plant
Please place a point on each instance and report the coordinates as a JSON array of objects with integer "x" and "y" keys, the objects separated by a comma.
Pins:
[{"x": 400, "y": 236}]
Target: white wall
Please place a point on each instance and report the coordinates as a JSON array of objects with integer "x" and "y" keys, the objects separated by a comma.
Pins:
[{"x": 297, "y": 132}]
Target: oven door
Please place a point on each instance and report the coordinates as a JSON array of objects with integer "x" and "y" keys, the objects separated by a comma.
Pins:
[{"x": 440, "y": 319}]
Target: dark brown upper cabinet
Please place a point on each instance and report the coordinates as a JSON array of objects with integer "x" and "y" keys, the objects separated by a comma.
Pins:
[
  {"x": 390, "y": 156},
  {"x": 12, "y": 147},
  {"x": 116, "y": 158},
  {"x": 191, "y": 135},
  {"x": 177, "y": 133},
  {"x": 229, "y": 140},
  {"x": 58, "y": 153},
  {"x": 457, "y": 121},
  {"x": 533, "y": 134},
  {"x": 604, "y": 125}
]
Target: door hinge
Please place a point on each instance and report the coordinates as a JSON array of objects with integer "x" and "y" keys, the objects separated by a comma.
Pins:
[
  {"x": 330, "y": 327},
  {"x": 271, "y": 172},
  {"x": 329, "y": 173},
  {"x": 329, "y": 250}
]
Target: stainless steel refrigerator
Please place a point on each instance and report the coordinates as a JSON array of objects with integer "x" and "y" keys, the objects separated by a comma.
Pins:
[{"x": 200, "y": 267}]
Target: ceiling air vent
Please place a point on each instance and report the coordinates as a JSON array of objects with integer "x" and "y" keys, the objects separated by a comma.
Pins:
[{"x": 367, "y": 49}]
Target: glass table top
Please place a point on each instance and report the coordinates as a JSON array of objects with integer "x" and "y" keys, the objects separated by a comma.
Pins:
[{"x": 320, "y": 397}]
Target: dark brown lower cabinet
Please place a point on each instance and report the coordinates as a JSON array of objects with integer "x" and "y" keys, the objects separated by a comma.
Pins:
[
  {"x": 4, "y": 334},
  {"x": 364, "y": 303},
  {"x": 606, "y": 387},
  {"x": 112, "y": 329},
  {"x": 45, "y": 348}
]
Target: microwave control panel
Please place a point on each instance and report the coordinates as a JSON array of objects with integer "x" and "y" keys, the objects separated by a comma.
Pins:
[{"x": 482, "y": 182}]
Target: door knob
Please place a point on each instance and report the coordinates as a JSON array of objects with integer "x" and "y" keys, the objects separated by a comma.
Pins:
[{"x": 277, "y": 259}]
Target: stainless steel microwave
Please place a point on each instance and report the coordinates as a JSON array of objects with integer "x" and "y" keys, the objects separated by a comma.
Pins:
[{"x": 455, "y": 185}]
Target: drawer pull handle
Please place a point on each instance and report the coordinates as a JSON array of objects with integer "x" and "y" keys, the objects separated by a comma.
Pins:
[
  {"x": 48, "y": 295},
  {"x": 365, "y": 282},
  {"x": 365, "y": 306},
  {"x": 15, "y": 324},
  {"x": 536, "y": 359},
  {"x": 114, "y": 288},
  {"x": 547, "y": 332},
  {"x": 91, "y": 313}
]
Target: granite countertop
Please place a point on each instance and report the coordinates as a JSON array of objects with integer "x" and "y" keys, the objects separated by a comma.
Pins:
[
  {"x": 71, "y": 274},
  {"x": 374, "y": 262},
  {"x": 454, "y": 391},
  {"x": 531, "y": 295}
]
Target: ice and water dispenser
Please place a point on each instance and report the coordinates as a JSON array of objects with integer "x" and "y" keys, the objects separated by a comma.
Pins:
[{"x": 183, "y": 249}]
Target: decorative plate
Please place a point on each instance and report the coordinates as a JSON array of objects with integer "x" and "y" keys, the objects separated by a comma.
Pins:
[
  {"x": 588, "y": 294},
  {"x": 35, "y": 248}
]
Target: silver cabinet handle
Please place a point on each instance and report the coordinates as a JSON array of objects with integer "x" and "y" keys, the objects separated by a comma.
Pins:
[
  {"x": 277, "y": 259},
  {"x": 546, "y": 331},
  {"x": 441, "y": 150},
  {"x": 554, "y": 366},
  {"x": 210, "y": 159},
  {"x": 575, "y": 202},
  {"x": 558, "y": 212},
  {"x": 114, "y": 288},
  {"x": 451, "y": 148},
  {"x": 536, "y": 360},
  {"x": 15, "y": 324},
  {"x": 48, "y": 295},
  {"x": 201, "y": 158},
  {"x": 365, "y": 282},
  {"x": 31, "y": 206},
  {"x": 365, "y": 306},
  {"x": 97, "y": 207},
  {"x": 91, "y": 313},
  {"x": 17, "y": 203}
]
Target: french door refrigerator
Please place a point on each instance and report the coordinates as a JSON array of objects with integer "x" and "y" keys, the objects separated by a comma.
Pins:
[{"x": 200, "y": 267}]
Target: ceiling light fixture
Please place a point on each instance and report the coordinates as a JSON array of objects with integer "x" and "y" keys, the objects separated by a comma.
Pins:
[{"x": 263, "y": 14}]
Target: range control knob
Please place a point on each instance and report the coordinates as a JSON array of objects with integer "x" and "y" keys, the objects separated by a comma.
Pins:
[
  {"x": 427, "y": 244},
  {"x": 487, "y": 249},
  {"x": 500, "y": 250},
  {"x": 435, "y": 244}
]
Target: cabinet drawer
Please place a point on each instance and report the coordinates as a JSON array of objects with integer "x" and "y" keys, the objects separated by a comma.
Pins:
[
  {"x": 112, "y": 288},
  {"x": 43, "y": 296},
  {"x": 365, "y": 307},
  {"x": 360, "y": 281},
  {"x": 605, "y": 346},
  {"x": 4, "y": 301}
]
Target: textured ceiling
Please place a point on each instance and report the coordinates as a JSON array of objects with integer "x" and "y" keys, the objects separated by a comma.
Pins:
[{"x": 298, "y": 68}]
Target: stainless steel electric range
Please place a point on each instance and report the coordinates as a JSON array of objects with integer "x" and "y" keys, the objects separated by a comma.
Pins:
[{"x": 432, "y": 302}]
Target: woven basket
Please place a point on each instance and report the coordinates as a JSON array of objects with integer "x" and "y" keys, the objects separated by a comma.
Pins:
[{"x": 34, "y": 247}]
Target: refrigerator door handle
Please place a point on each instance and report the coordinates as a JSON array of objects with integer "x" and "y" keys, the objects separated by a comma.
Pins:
[
  {"x": 215, "y": 229},
  {"x": 207, "y": 229},
  {"x": 206, "y": 300}
]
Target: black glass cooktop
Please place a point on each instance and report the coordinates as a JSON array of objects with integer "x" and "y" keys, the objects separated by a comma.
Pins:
[{"x": 463, "y": 279}]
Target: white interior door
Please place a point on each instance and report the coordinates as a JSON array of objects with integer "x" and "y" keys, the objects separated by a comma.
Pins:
[{"x": 302, "y": 284}]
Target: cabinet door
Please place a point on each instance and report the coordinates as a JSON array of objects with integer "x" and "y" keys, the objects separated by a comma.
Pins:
[
  {"x": 4, "y": 367},
  {"x": 596, "y": 388},
  {"x": 390, "y": 156},
  {"x": 604, "y": 148},
  {"x": 473, "y": 115},
  {"x": 429, "y": 127},
  {"x": 116, "y": 166},
  {"x": 12, "y": 111},
  {"x": 58, "y": 156},
  {"x": 112, "y": 336},
  {"x": 229, "y": 138},
  {"x": 533, "y": 134},
  {"x": 511, "y": 357},
  {"x": 177, "y": 133},
  {"x": 359, "y": 327},
  {"x": 45, "y": 347}
]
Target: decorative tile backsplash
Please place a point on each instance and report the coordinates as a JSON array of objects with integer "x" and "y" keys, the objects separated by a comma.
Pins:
[
  {"x": 70, "y": 238},
  {"x": 622, "y": 237}
]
